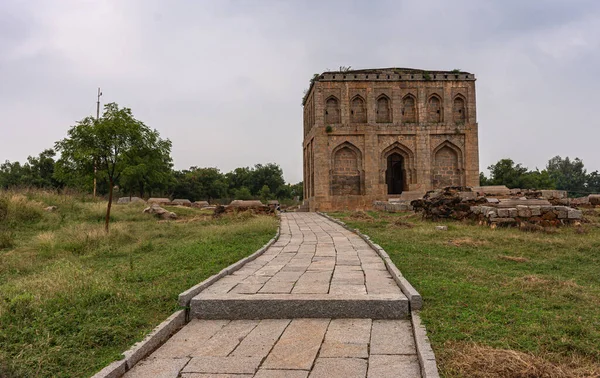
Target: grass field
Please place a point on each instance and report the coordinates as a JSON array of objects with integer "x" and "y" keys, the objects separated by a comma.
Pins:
[
  {"x": 73, "y": 298},
  {"x": 500, "y": 303}
]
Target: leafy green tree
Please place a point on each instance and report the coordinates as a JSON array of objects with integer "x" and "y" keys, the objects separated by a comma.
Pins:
[
  {"x": 41, "y": 170},
  {"x": 11, "y": 174},
  {"x": 265, "y": 193},
  {"x": 593, "y": 182},
  {"x": 243, "y": 193},
  {"x": 149, "y": 168},
  {"x": 270, "y": 175},
  {"x": 112, "y": 142},
  {"x": 200, "y": 184},
  {"x": 483, "y": 180},
  {"x": 506, "y": 172},
  {"x": 569, "y": 175}
]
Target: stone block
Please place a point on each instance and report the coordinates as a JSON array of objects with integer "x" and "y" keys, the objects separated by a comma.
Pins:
[
  {"x": 157, "y": 367},
  {"x": 536, "y": 211},
  {"x": 392, "y": 337},
  {"x": 159, "y": 201},
  {"x": 574, "y": 214},
  {"x": 339, "y": 368},
  {"x": 342, "y": 350},
  {"x": 503, "y": 213},
  {"x": 182, "y": 202},
  {"x": 397, "y": 366},
  {"x": 298, "y": 345},
  {"x": 264, "y": 373},
  {"x": 523, "y": 211},
  {"x": 222, "y": 365},
  {"x": 285, "y": 306}
]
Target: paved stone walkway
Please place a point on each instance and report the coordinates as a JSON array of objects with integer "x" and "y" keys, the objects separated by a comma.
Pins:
[
  {"x": 316, "y": 269},
  {"x": 315, "y": 262}
]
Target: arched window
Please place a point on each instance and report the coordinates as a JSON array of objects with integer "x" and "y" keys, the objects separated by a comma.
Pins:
[
  {"x": 409, "y": 110},
  {"x": 434, "y": 109},
  {"x": 358, "y": 110},
  {"x": 384, "y": 112},
  {"x": 459, "y": 110},
  {"x": 332, "y": 110}
]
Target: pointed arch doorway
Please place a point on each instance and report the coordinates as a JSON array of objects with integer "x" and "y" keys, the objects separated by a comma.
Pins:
[{"x": 395, "y": 174}]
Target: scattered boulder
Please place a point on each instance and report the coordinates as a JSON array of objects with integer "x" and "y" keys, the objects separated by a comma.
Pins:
[
  {"x": 594, "y": 199},
  {"x": 160, "y": 212},
  {"x": 242, "y": 203},
  {"x": 441, "y": 228},
  {"x": 159, "y": 201},
  {"x": 200, "y": 204},
  {"x": 182, "y": 202},
  {"x": 126, "y": 200}
]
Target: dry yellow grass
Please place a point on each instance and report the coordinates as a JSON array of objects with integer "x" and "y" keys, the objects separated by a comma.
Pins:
[
  {"x": 463, "y": 359},
  {"x": 513, "y": 258}
]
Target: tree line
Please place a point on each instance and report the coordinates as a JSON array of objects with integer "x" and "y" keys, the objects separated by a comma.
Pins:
[
  {"x": 562, "y": 174},
  {"x": 126, "y": 154}
]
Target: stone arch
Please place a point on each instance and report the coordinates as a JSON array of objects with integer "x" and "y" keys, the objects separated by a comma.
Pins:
[
  {"x": 459, "y": 109},
  {"x": 409, "y": 108},
  {"x": 332, "y": 110},
  {"x": 384, "y": 109},
  {"x": 434, "y": 108},
  {"x": 346, "y": 173},
  {"x": 409, "y": 164},
  {"x": 447, "y": 167},
  {"x": 358, "y": 110}
]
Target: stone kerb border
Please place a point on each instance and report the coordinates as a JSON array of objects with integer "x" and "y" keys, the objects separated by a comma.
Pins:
[
  {"x": 186, "y": 297},
  {"x": 424, "y": 351},
  {"x": 414, "y": 298},
  {"x": 174, "y": 322}
]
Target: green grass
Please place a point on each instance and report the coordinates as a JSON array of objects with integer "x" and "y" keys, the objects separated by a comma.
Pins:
[
  {"x": 503, "y": 289},
  {"x": 73, "y": 298}
]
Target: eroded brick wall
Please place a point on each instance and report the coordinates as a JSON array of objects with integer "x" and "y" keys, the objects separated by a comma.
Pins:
[
  {"x": 446, "y": 169},
  {"x": 346, "y": 173}
]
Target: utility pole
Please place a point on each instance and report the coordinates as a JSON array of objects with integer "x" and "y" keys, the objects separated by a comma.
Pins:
[{"x": 97, "y": 118}]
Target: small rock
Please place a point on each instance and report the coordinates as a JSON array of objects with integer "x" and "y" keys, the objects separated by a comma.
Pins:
[
  {"x": 51, "y": 208},
  {"x": 441, "y": 228}
]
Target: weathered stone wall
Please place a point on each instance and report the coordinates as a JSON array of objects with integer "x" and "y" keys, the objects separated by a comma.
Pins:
[{"x": 429, "y": 119}]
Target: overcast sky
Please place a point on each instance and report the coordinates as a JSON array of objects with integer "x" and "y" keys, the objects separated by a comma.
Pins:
[{"x": 223, "y": 80}]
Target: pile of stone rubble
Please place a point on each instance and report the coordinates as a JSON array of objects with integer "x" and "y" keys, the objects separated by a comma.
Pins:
[
  {"x": 255, "y": 206},
  {"x": 498, "y": 206}
]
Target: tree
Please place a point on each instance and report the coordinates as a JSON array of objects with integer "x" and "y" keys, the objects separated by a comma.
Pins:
[
  {"x": 506, "y": 172},
  {"x": 149, "y": 168},
  {"x": 41, "y": 170},
  {"x": 569, "y": 175},
  {"x": 593, "y": 182},
  {"x": 112, "y": 142},
  {"x": 265, "y": 193},
  {"x": 200, "y": 184}
]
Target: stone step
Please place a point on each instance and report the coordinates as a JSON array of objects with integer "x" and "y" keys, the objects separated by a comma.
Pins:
[{"x": 282, "y": 306}]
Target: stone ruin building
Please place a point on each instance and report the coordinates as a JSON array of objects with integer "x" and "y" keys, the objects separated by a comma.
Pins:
[{"x": 385, "y": 134}]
